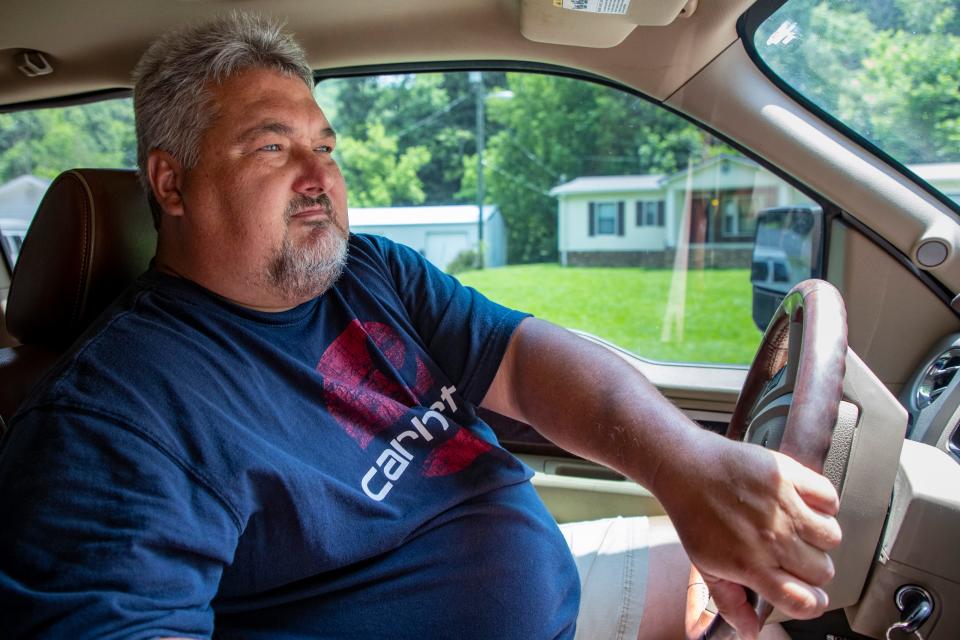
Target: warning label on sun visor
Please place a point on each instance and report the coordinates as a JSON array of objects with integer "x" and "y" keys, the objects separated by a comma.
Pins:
[{"x": 617, "y": 7}]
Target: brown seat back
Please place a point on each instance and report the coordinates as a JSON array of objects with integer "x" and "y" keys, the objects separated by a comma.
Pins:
[{"x": 92, "y": 236}]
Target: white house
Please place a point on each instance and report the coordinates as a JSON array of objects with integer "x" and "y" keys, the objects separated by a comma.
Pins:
[
  {"x": 439, "y": 233},
  {"x": 639, "y": 220},
  {"x": 945, "y": 176},
  {"x": 19, "y": 199},
  {"x": 708, "y": 208}
]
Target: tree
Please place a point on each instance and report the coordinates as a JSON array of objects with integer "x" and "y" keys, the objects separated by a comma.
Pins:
[
  {"x": 377, "y": 174},
  {"x": 915, "y": 114},
  {"x": 888, "y": 71},
  {"x": 45, "y": 142},
  {"x": 433, "y": 110},
  {"x": 555, "y": 129}
]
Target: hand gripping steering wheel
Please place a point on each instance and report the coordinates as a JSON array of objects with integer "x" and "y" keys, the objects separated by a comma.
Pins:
[{"x": 798, "y": 371}]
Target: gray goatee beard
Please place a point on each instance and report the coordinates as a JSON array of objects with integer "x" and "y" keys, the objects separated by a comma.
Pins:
[{"x": 305, "y": 272}]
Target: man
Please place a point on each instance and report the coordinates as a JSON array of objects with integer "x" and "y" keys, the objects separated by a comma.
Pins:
[{"x": 273, "y": 433}]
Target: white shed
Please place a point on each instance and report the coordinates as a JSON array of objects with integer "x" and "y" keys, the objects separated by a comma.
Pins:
[{"x": 439, "y": 233}]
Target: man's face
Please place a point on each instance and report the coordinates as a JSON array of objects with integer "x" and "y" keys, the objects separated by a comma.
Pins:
[{"x": 266, "y": 206}]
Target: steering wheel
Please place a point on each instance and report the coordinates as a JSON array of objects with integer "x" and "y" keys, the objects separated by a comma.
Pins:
[{"x": 791, "y": 397}]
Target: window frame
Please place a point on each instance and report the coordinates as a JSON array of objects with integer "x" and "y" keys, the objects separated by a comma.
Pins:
[
  {"x": 64, "y": 102},
  {"x": 650, "y": 213},
  {"x": 606, "y": 212},
  {"x": 830, "y": 210}
]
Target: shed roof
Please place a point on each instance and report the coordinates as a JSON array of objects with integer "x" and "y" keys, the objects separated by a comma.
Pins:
[
  {"x": 937, "y": 170},
  {"x": 405, "y": 216}
]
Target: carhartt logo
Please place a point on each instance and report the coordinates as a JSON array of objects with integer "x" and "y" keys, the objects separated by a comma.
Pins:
[
  {"x": 360, "y": 397},
  {"x": 364, "y": 400}
]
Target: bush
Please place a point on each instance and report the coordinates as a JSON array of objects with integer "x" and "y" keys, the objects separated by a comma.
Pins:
[{"x": 466, "y": 260}]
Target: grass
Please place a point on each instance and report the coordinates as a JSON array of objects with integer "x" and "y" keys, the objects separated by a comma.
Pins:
[{"x": 631, "y": 307}]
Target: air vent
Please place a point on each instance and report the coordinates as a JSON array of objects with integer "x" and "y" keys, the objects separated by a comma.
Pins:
[{"x": 938, "y": 377}]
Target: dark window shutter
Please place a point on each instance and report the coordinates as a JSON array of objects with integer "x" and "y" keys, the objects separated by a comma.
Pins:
[
  {"x": 593, "y": 219},
  {"x": 620, "y": 208},
  {"x": 639, "y": 214},
  {"x": 660, "y": 208}
]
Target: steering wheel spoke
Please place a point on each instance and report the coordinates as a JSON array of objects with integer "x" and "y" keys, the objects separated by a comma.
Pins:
[{"x": 768, "y": 423}]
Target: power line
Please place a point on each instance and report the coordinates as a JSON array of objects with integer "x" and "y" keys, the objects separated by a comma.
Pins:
[
  {"x": 433, "y": 116},
  {"x": 553, "y": 175},
  {"x": 516, "y": 180}
]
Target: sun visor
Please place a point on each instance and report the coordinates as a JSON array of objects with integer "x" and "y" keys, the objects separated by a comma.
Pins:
[{"x": 595, "y": 23}]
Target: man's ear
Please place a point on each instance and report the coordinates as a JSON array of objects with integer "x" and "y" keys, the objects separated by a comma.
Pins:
[{"x": 166, "y": 179}]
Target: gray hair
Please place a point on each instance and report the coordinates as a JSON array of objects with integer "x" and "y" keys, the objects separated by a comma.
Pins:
[{"x": 171, "y": 97}]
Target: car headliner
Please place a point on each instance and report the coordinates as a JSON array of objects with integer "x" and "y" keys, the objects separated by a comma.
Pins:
[{"x": 94, "y": 45}]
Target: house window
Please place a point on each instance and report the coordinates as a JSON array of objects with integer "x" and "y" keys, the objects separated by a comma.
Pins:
[
  {"x": 731, "y": 218},
  {"x": 606, "y": 219},
  {"x": 650, "y": 213},
  {"x": 728, "y": 215}
]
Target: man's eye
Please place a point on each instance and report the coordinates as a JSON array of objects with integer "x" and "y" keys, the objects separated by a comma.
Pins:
[
  {"x": 324, "y": 148},
  {"x": 270, "y": 147}
]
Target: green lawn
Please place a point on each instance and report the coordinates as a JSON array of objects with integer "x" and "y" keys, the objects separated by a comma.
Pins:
[{"x": 708, "y": 319}]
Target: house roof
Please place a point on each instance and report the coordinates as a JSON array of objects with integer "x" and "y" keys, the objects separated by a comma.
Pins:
[
  {"x": 388, "y": 216},
  {"x": 607, "y": 184},
  {"x": 709, "y": 162},
  {"x": 941, "y": 171}
]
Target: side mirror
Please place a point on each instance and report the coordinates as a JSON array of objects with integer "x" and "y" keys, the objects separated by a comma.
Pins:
[{"x": 786, "y": 250}]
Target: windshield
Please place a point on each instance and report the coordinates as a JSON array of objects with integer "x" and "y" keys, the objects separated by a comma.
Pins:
[{"x": 888, "y": 69}]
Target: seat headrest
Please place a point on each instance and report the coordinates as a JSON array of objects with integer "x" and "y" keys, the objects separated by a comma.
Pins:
[{"x": 91, "y": 237}]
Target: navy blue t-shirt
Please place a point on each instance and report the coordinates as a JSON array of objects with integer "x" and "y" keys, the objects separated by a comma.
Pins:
[{"x": 195, "y": 468}]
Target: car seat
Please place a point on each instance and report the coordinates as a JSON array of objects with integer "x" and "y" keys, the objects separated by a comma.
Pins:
[{"x": 91, "y": 237}]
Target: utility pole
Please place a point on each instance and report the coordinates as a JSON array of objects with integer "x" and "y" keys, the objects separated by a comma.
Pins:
[{"x": 476, "y": 79}]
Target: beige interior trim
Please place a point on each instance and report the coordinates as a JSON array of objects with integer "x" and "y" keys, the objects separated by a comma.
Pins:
[
  {"x": 6, "y": 340},
  {"x": 919, "y": 546},
  {"x": 573, "y": 498},
  {"x": 692, "y": 387},
  {"x": 877, "y": 290},
  {"x": 96, "y": 54}
]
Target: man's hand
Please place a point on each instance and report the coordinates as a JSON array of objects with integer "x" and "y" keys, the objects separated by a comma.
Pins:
[
  {"x": 745, "y": 515},
  {"x": 752, "y": 517}
]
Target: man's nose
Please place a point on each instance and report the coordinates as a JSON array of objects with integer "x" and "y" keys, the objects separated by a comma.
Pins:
[{"x": 316, "y": 172}]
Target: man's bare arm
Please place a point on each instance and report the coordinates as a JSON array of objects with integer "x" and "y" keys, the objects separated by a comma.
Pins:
[{"x": 745, "y": 515}]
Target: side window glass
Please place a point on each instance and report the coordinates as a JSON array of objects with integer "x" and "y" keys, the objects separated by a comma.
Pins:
[
  {"x": 39, "y": 144},
  {"x": 582, "y": 204}
]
